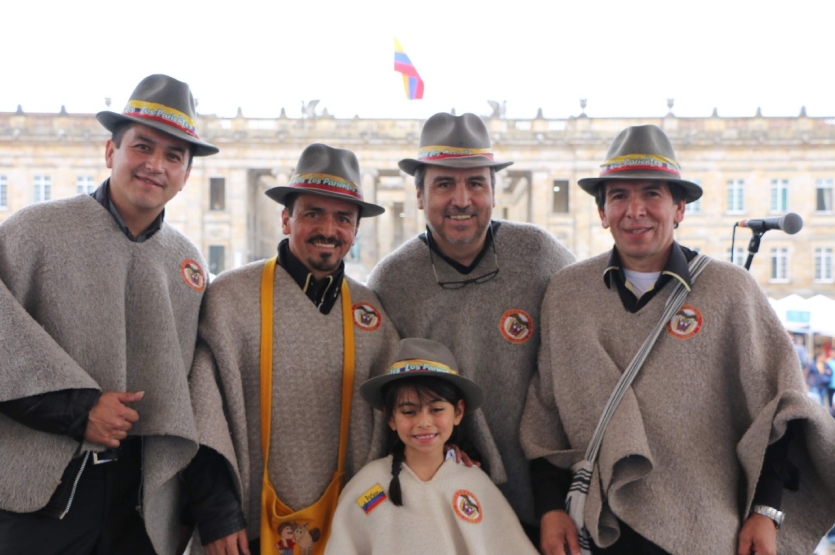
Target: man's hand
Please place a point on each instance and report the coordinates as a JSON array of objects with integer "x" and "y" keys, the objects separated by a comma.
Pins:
[
  {"x": 460, "y": 456},
  {"x": 758, "y": 536},
  {"x": 111, "y": 418},
  {"x": 557, "y": 530},
  {"x": 234, "y": 544}
]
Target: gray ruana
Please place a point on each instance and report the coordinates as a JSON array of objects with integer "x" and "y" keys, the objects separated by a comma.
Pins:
[
  {"x": 307, "y": 384},
  {"x": 682, "y": 455},
  {"x": 467, "y": 321},
  {"x": 81, "y": 306}
]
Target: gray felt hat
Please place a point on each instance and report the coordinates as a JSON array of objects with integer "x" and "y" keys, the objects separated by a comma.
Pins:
[
  {"x": 454, "y": 142},
  {"x": 640, "y": 153},
  {"x": 161, "y": 102},
  {"x": 327, "y": 171},
  {"x": 422, "y": 357}
]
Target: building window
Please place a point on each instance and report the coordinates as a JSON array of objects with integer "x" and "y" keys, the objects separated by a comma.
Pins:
[
  {"x": 823, "y": 265},
  {"x": 559, "y": 203},
  {"x": 694, "y": 207},
  {"x": 217, "y": 193},
  {"x": 738, "y": 256},
  {"x": 4, "y": 193},
  {"x": 43, "y": 188},
  {"x": 84, "y": 185},
  {"x": 779, "y": 195},
  {"x": 780, "y": 264},
  {"x": 217, "y": 262},
  {"x": 736, "y": 195},
  {"x": 823, "y": 195}
]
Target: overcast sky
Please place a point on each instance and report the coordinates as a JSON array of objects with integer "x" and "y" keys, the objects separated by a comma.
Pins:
[{"x": 625, "y": 58}]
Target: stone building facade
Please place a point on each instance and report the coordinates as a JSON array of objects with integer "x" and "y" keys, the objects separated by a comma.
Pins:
[{"x": 750, "y": 167}]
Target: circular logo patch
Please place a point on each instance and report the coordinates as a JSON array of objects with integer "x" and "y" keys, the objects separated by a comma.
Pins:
[
  {"x": 516, "y": 325},
  {"x": 193, "y": 275},
  {"x": 686, "y": 323},
  {"x": 466, "y": 506},
  {"x": 366, "y": 316}
]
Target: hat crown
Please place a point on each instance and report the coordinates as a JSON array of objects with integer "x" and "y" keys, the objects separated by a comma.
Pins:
[
  {"x": 415, "y": 348},
  {"x": 464, "y": 131},
  {"x": 323, "y": 159},
  {"x": 160, "y": 89},
  {"x": 641, "y": 139}
]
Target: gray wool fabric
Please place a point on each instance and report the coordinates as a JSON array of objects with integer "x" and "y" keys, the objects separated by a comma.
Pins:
[
  {"x": 81, "y": 306},
  {"x": 682, "y": 455},
  {"x": 468, "y": 320},
  {"x": 307, "y": 384}
]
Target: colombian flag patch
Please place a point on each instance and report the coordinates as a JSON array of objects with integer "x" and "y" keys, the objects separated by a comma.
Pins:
[{"x": 369, "y": 500}]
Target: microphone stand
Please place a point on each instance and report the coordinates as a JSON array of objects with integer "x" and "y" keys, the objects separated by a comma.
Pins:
[{"x": 753, "y": 248}]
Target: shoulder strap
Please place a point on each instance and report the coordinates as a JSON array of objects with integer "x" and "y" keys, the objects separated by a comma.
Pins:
[{"x": 672, "y": 307}]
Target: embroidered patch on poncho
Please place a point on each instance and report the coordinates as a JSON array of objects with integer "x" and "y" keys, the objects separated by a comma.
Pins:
[
  {"x": 193, "y": 275},
  {"x": 369, "y": 500},
  {"x": 516, "y": 325},
  {"x": 366, "y": 316},
  {"x": 686, "y": 323},
  {"x": 466, "y": 506}
]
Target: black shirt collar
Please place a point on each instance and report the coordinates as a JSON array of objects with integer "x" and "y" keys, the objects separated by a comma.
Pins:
[
  {"x": 323, "y": 292},
  {"x": 103, "y": 197},
  {"x": 460, "y": 268},
  {"x": 675, "y": 268}
]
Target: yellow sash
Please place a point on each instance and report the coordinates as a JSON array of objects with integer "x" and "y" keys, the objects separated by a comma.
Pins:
[{"x": 310, "y": 526}]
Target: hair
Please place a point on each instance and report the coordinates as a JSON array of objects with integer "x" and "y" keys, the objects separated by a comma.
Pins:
[
  {"x": 122, "y": 128},
  {"x": 676, "y": 191},
  {"x": 420, "y": 176},
  {"x": 428, "y": 389},
  {"x": 290, "y": 203}
]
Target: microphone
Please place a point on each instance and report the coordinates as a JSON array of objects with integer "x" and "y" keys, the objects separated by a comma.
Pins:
[{"x": 791, "y": 223}]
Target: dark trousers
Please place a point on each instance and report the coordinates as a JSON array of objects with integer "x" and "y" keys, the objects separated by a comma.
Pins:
[
  {"x": 629, "y": 543},
  {"x": 103, "y": 519}
]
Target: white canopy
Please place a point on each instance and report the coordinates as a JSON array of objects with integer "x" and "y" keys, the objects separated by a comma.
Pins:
[{"x": 815, "y": 315}]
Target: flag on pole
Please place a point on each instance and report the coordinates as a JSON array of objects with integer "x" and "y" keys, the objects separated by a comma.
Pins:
[{"x": 411, "y": 80}]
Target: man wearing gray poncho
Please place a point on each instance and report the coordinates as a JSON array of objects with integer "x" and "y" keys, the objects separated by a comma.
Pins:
[
  {"x": 715, "y": 447},
  {"x": 99, "y": 303},
  {"x": 474, "y": 284},
  {"x": 312, "y": 307}
]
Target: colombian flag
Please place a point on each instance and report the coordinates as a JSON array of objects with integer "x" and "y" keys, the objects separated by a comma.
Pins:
[{"x": 411, "y": 80}]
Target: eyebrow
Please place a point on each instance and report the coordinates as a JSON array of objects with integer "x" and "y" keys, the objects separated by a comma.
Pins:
[
  {"x": 620, "y": 189},
  {"x": 174, "y": 147}
]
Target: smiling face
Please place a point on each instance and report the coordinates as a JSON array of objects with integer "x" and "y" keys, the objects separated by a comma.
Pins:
[
  {"x": 321, "y": 231},
  {"x": 458, "y": 204},
  {"x": 424, "y": 423},
  {"x": 641, "y": 216}
]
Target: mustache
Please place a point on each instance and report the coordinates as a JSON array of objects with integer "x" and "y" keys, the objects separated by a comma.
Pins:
[
  {"x": 455, "y": 211},
  {"x": 323, "y": 239}
]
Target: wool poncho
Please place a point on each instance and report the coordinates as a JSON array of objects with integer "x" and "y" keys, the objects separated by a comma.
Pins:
[
  {"x": 682, "y": 455},
  {"x": 492, "y": 328}
]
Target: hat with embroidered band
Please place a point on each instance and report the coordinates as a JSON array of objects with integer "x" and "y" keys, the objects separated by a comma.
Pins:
[
  {"x": 422, "y": 357},
  {"x": 327, "y": 171},
  {"x": 642, "y": 153},
  {"x": 454, "y": 142},
  {"x": 161, "y": 102}
]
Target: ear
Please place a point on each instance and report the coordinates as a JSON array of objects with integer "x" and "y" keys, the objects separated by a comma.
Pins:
[
  {"x": 185, "y": 179},
  {"x": 459, "y": 411},
  {"x": 109, "y": 149},
  {"x": 420, "y": 197},
  {"x": 679, "y": 214},
  {"x": 603, "y": 219},
  {"x": 390, "y": 420},
  {"x": 285, "y": 222}
]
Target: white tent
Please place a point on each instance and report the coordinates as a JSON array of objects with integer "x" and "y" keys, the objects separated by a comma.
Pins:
[
  {"x": 823, "y": 315},
  {"x": 815, "y": 315}
]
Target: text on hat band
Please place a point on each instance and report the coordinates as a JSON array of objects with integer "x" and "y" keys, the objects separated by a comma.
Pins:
[
  {"x": 632, "y": 162},
  {"x": 443, "y": 152},
  {"x": 325, "y": 182},
  {"x": 419, "y": 365},
  {"x": 165, "y": 114}
]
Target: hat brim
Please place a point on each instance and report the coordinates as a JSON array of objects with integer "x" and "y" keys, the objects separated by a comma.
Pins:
[
  {"x": 409, "y": 165},
  {"x": 111, "y": 120},
  {"x": 372, "y": 390},
  {"x": 280, "y": 194},
  {"x": 692, "y": 191}
]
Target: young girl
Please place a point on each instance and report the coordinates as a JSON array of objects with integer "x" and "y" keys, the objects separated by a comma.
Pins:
[{"x": 416, "y": 500}]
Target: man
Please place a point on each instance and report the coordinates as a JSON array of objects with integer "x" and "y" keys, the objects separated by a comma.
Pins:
[
  {"x": 474, "y": 284},
  {"x": 312, "y": 356},
  {"x": 696, "y": 456},
  {"x": 99, "y": 305}
]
